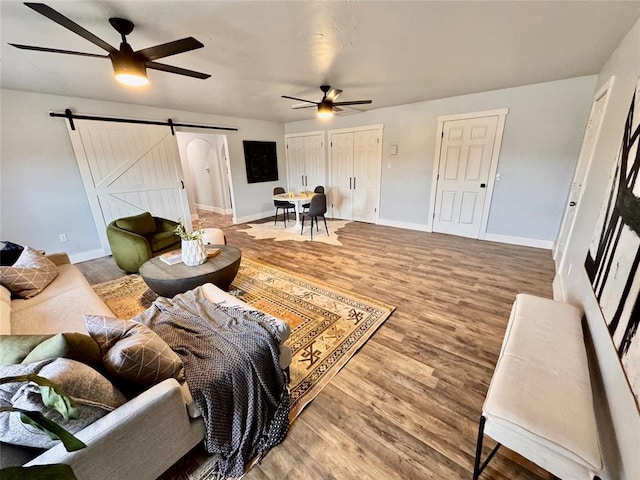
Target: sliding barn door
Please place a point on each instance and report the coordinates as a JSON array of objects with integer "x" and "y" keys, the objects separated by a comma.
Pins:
[{"x": 128, "y": 169}]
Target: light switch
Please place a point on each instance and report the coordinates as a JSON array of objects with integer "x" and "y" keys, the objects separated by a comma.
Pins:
[{"x": 393, "y": 150}]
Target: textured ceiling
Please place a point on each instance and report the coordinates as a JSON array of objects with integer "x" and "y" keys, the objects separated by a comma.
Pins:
[{"x": 392, "y": 52}]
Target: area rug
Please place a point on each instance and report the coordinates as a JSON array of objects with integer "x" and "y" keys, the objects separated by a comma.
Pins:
[
  {"x": 278, "y": 233},
  {"x": 328, "y": 325}
]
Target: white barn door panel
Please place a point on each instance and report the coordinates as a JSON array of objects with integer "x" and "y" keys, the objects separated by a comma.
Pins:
[{"x": 128, "y": 169}]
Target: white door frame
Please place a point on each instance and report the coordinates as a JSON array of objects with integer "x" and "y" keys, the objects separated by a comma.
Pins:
[
  {"x": 380, "y": 128},
  {"x": 501, "y": 113},
  {"x": 581, "y": 172}
]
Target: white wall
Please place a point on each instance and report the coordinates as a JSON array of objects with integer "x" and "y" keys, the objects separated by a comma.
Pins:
[
  {"x": 540, "y": 147},
  {"x": 41, "y": 192},
  {"x": 616, "y": 398}
]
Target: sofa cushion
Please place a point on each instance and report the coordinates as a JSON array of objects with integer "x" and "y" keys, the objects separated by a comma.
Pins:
[
  {"x": 162, "y": 240},
  {"x": 142, "y": 224},
  {"x": 59, "y": 308},
  {"x": 132, "y": 351},
  {"x": 9, "y": 253},
  {"x": 93, "y": 393},
  {"x": 74, "y": 346},
  {"x": 31, "y": 274}
]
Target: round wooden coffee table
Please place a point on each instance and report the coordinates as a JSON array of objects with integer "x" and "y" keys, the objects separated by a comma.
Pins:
[{"x": 170, "y": 280}]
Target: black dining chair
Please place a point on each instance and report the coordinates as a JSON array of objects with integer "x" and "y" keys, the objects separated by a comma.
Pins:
[
  {"x": 318, "y": 189},
  {"x": 317, "y": 208},
  {"x": 282, "y": 205}
]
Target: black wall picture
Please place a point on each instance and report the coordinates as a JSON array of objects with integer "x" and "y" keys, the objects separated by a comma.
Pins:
[
  {"x": 613, "y": 258},
  {"x": 261, "y": 161}
]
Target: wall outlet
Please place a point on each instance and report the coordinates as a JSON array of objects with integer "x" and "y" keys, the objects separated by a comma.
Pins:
[{"x": 63, "y": 237}]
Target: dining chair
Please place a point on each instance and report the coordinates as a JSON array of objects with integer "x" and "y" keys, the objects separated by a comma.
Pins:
[
  {"x": 283, "y": 205},
  {"x": 318, "y": 189},
  {"x": 317, "y": 208}
]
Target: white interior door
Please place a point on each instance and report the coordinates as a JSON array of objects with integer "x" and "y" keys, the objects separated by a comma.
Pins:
[
  {"x": 366, "y": 174},
  {"x": 463, "y": 175},
  {"x": 341, "y": 175},
  {"x": 578, "y": 184},
  {"x": 315, "y": 163},
  {"x": 295, "y": 164},
  {"x": 128, "y": 169}
]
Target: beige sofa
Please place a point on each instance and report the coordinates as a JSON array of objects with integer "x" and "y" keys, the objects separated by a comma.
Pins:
[
  {"x": 142, "y": 438},
  {"x": 58, "y": 309}
]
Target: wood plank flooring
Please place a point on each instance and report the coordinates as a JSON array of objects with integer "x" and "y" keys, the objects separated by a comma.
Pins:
[{"x": 407, "y": 405}]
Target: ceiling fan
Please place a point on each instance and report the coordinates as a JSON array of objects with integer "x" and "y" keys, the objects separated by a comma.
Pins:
[
  {"x": 328, "y": 105},
  {"x": 130, "y": 67}
]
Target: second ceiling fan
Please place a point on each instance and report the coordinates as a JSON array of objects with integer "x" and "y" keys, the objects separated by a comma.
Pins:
[{"x": 328, "y": 105}]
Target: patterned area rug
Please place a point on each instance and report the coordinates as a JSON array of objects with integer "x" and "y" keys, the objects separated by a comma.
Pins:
[
  {"x": 278, "y": 233},
  {"x": 328, "y": 325}
]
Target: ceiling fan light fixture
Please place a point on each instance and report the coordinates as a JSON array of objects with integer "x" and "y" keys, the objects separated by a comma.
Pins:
[
  {"x": 325, "y": 110},
  {"x": 129, "y": 71}
]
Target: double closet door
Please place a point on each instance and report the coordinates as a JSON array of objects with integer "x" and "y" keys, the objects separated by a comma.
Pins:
[
  {"x": 306, "y": 165},
  {"x": 356, "y": 156}
]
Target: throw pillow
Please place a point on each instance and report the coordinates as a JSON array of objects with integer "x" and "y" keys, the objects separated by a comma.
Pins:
[
  {"x": 132, "y": 351},
  {"x": 9, "y": 253},
  {"x": 93, "y": 393},
  {"x": 31, "y": 274},
  {"x": 14, "y": 348},
  {"x": 74, "y": 346}
]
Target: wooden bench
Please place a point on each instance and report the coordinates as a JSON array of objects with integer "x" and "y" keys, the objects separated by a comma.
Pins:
[{"x": 539, "y": 403}]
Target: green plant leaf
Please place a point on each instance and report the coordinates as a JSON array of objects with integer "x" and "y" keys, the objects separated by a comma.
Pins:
[
  {"x": 40, "y": 472},
  {"x": 52, "y": 395},
  {"x": 51, "y": 428}
]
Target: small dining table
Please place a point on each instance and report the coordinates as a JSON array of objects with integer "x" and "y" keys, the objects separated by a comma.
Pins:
[{"x": 296, "y": 199}]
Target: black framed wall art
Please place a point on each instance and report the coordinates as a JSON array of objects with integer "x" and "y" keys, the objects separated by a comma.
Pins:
[{"x": 261, "y": 160}]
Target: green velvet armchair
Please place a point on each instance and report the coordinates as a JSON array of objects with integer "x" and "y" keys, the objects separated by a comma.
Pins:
[{"x": 134, "y": 240}]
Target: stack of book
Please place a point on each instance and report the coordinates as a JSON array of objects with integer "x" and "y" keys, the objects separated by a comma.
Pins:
[{"x": 172, "y": 257}]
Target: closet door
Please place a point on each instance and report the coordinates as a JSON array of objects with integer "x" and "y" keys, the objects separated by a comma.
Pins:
[
  {"x": 366, "y": 175},
  {"x": 127, "y": 170},
  {"x": 340, "y": 193},
  {"x": 315, "y": 165},
  {"x": 295, "y": 164}
]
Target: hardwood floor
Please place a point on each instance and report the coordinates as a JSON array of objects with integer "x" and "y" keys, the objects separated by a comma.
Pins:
[{"x": 406, "y": 406}]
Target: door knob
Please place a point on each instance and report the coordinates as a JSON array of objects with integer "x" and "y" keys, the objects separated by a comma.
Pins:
[
  {"x": 572, "y": 204},
  {"x": 483, "y": 185}
]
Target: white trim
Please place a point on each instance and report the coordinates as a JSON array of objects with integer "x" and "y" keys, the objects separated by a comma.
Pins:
[
  {"x": 304, "y": 134},
  {"x": 209, "y": 208},
  {"x": 559, "y": 292},
  {"x": 377, "y": 126},
  {"x": 406, "y": 225},
  {"x": 253, "y": 218},
  {"x": 501, "y": 113},
  {"x": 602, "y": 91},
  {"x": 523, "y": 241},
  {"x": 88, "y": 255},
  {"x": 484, "y": 113}
]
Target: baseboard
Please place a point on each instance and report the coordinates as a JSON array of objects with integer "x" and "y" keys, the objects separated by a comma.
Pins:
[
  {"x": 253, "y": 218},
  {"x": 88, "y": 255},
  {"x": 209, "y": 208},
  {"x": 523, "y": 241},
  {"x": 558, "y": 289},
  {"x": 409, "y": 226}
]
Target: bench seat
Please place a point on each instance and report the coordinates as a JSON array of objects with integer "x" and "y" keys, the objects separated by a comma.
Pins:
[{"x": 539, "y": 402}]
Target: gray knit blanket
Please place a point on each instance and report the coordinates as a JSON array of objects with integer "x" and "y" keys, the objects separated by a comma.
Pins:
[{"x": 231, "y": 364}]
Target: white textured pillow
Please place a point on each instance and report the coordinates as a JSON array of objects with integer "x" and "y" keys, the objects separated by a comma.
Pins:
[
  {"x": 31, "y": 274},
  {"x": 94, "y": 394}
]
